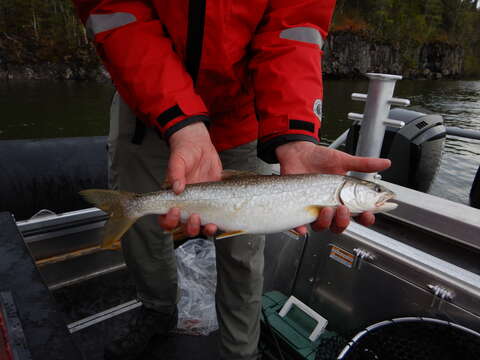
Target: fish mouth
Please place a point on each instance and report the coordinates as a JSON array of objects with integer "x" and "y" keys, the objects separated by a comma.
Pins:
[
  {"x": 384, "y": 205},
  {"x": 387, "y": 206}
]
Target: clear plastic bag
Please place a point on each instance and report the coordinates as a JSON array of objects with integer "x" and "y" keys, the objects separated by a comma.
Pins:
[{"x": 197, "y": 279}]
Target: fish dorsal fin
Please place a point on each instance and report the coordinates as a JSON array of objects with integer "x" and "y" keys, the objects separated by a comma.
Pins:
[
  {"x": 229, "y": 174},
  {"x": 166, "y": 185}
]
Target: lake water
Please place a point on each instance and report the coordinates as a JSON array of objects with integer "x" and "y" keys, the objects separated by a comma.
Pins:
[{"x": 39, "y": 109}]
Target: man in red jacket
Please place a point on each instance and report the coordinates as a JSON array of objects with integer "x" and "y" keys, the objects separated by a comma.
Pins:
[{"x": 199, "y": 82}]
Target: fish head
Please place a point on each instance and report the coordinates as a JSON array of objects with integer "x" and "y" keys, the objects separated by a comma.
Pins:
[{"x": 360, "y": 196}]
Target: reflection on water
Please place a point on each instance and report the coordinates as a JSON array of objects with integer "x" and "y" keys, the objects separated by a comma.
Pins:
[
  {"x": 51, "y": 109},
  {"x": 462, "y": 146},
  {"x": 455, "y": 177},
  {"x": 459, "y": 104},
  {"x": 42, "y": 109}
]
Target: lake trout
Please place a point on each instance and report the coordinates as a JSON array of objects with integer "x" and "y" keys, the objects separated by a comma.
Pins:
[{"x": 244, "y": 204}]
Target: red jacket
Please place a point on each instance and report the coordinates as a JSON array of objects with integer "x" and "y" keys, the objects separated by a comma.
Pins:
[{"x": 250, "y": 67}]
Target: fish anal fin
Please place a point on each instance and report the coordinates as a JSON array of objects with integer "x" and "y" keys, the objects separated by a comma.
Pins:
[
  {"x": 179, "y": 234},
  {"x": 314, "y": 210},
  {"x": 230, "y": 234},
  {"x": 228, "y": 174},
  {"x": 117, "y": 245}
]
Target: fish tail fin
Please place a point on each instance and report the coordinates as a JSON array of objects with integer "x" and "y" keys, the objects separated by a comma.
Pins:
[{"x": 113, "y": 203}]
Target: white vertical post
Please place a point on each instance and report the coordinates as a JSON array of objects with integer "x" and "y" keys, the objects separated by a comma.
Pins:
[{"x": 375, "y": 117}]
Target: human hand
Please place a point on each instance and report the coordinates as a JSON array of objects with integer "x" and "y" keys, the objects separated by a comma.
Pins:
[
  {"x": 303, "y": 157},
  {"x": 193, "y": 159}
]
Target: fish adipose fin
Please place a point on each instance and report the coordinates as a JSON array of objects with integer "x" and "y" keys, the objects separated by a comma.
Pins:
[{"x": 112, "y": 202}]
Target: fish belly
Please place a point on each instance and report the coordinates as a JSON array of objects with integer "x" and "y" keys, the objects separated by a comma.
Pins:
[{"x": 255, "y": 215}]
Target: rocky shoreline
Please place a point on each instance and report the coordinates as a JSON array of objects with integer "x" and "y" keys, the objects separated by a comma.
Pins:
[
  {"x": 346, "y": 55},
  {"x": 54, "y": 72}
]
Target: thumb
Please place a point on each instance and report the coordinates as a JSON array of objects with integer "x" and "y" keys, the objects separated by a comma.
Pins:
[
  {"x": 364, "y": 164},
  {"x": 176, "y": 173}
]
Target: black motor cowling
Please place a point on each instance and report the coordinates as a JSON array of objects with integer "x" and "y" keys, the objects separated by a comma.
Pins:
[
  {"x": 475, "y": 191},
  {"x": 415, "y": 149}
]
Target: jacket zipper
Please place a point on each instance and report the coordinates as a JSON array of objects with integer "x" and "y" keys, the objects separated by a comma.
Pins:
[{"x": 196, "y": 23}]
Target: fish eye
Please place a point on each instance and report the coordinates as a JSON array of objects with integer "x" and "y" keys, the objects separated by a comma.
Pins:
[{"x": 378, "y": 189}]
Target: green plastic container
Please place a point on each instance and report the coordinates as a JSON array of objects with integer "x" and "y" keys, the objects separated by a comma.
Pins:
[{"x": 292, "y": 331}]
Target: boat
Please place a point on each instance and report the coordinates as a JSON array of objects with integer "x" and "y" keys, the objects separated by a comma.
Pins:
[{"x": 63, "y": 297}]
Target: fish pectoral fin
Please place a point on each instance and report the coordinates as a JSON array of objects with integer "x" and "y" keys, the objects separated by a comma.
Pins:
[
  {"x": 295, "y": 232},
  {"x": 228, "y": 174},
  {"x": 314, "y": 210},
  {"x": 114, "y": 230},
  {"x": 230, "y": 234}
]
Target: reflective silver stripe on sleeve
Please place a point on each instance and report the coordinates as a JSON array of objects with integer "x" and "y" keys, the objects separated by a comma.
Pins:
[
  {"x": 97, "y": 23},
  {"x": 304, "y": 34}
]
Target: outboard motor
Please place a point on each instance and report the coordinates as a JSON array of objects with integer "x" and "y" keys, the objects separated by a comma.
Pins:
[{"x": 415, "y": 150}]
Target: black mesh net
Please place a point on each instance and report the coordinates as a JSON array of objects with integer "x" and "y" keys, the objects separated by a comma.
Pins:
[
  {"x": 416, "y": 340},
  {"x": 329, "y": 348}
]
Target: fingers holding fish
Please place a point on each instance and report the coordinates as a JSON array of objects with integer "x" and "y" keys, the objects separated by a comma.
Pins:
[
  {"x": 324, "y": 220},
  {"x": 341, "y": 220},
  {"x": 302, "y": 230},
  {"x": 210, "y": 229},
  {"x": 171, "y": 220},
  {"x": 366, "y": 219},
  {"x": 337, "y": 220},
  {"x": 193, "y": 225}
]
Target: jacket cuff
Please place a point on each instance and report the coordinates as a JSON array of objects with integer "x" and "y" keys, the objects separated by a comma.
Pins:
[
  {"x": 174, "y": 119},
  {"x": 184, "y": 121},
  {"x": 266, "y": 149}
]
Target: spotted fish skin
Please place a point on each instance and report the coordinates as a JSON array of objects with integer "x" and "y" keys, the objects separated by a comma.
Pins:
[{"x": 256, "y": 204}]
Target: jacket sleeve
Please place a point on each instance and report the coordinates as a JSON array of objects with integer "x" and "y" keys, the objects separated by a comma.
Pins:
[
  {"x": 145, "y": 69},
  {"x": 287, "y": 72}
]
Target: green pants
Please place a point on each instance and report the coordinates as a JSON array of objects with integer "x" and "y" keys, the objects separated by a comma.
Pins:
[{"x": 149, "y": 252}]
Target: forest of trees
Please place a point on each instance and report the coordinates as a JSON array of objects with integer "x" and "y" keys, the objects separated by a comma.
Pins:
[
  {"x": 36, "y": 31},
  {"x": 410, "y": 23}
]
